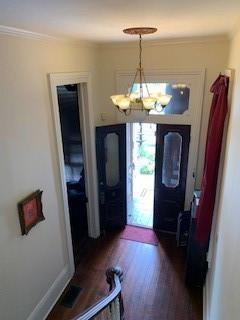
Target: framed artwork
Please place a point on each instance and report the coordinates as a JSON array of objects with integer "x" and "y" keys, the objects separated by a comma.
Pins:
[{"x": 30, "y": 211}]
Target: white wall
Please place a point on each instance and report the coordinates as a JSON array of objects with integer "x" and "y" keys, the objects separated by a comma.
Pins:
[
  {"x": 208, "y": 53},
  {"x": 30, "y": 264},
  {"x": 223, "y": 279}
]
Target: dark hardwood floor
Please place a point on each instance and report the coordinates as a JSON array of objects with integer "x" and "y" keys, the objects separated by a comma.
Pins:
[{"x": 153, "y": 286}]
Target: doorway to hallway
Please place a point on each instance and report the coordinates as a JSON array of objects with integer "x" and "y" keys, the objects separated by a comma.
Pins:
[
  {"x": 69, "y": 106},
  {"x": 141, "y": 171}
]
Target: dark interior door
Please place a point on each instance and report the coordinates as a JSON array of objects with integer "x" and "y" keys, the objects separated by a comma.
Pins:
[
  {"x": 111, "y": 165},
  {"x": 172, "y": 146}
]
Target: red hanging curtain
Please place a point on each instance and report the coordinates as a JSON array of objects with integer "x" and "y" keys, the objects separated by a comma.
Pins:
[{"x": 217, "y": 117}]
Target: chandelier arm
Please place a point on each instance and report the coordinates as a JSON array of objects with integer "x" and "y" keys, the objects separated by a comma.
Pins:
[
  {"x": 128, "y": 112},
  {"x": 145, "y": 82},
  {"x": 135, "y": 77},
  {"x": 120, "y": 110},
  {"x": 125, "y": 111}
]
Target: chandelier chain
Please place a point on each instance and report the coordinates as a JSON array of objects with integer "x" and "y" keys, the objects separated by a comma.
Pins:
[
  {"x": 140, "y": 51},
  {"x": 140, "y": 65}
]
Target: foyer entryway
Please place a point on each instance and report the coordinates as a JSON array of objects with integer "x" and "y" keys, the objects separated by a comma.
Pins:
[
  {"x": 141, "y": 169},
  {"x": 153, "y": 284},
  {"x": 137, "y": 187}
]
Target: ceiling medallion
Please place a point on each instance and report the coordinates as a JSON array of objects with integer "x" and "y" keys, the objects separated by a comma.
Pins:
[{"x": 138, "y": 100}]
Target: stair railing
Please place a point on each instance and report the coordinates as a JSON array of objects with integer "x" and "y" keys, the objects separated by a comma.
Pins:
[{"x": 111, "y": 306}]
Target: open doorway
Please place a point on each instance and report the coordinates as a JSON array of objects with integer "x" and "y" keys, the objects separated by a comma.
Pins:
[
  {"x": 74, "y": 166},
  {"x": 138, "y": 185},
  {"x": 141, "y": 171}
]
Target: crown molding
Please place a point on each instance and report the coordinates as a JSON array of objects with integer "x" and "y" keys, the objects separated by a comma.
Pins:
[
  {"x": 11, "y": 31},
  {"x": 22, "y": 33},
  {"x": 166, "y": 42},
  {"x": 26, "y": 34}
]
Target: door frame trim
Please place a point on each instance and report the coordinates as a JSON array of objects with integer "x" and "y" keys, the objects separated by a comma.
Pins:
[
  {"x": 82, "y": 79},
  {"x": 129, "y": 146}
]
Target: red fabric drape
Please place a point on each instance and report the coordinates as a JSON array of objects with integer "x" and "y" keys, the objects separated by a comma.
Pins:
[{"x": 217, "y": 117}]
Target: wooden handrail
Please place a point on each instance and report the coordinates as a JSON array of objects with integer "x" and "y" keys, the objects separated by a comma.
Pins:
[{"x": 114, "y": 279}]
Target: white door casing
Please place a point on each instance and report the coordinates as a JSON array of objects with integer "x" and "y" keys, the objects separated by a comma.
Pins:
[{"x": 83, "y": 80}]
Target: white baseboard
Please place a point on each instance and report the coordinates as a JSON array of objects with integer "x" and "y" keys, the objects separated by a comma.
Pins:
[{"x": 52, "y": 295}]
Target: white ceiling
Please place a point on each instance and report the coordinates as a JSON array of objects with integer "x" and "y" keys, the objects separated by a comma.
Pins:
[{"x": 103, "y": 20}]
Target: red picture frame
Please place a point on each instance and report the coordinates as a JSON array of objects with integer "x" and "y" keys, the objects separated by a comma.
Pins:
[{"x": 30, "y": 211}]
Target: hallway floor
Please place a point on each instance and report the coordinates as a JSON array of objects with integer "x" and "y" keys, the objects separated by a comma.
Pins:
[{"x": 153, "y": 285}]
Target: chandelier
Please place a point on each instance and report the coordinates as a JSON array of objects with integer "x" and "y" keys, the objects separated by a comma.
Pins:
[{"x": 138, "y": 100}]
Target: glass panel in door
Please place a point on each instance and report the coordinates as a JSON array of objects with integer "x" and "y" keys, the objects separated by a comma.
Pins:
[
  {"x": 111, "y": 142},
  {"x": 171, "y": 159}
]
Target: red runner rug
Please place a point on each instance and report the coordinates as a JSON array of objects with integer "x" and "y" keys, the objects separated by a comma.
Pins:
[{"x": 140, "y": 235}]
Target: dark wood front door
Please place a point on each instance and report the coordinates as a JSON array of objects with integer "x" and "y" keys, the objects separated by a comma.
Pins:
[
  {"x": 172, "y": 146},
  {"x": 111, "y": 165}
]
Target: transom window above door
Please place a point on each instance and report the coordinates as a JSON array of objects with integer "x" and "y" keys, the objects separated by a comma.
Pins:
[{"x": 180, "y": 93}]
